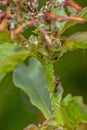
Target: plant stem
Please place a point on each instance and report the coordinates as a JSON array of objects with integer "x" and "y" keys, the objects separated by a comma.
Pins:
[{"x": 49, "y": 73}]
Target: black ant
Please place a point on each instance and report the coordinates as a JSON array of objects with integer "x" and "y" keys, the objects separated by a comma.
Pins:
[{"x": 57, "y": 83}]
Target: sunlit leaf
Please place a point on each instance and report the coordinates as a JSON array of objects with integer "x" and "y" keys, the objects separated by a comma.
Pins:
[
  {"x": 11, "y": 55},
  {"x": 5, "y": 37},
  {"x": 62, "y": 12},
  {"x": 56, "y": 97},
  {"x": 75, "y": 41},
  {"x": 30, "y": 78},
  {"x": 82, "y": 14}
]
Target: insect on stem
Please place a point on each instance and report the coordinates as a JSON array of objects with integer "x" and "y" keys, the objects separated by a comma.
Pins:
[{"x": 57, "y": 83}]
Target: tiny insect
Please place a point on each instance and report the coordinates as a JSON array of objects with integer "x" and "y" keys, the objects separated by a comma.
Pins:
[{"x": 57, "y": 82}]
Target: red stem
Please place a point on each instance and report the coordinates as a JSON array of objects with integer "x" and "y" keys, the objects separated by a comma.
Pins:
[
  {"x": 27, "y": 24},
  {"x": 73, "y": 5},
  {"x": 46, "y": 37},
  {"x": 52, "y": 16}
]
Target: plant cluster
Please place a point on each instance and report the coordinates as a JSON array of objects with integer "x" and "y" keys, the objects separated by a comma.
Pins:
[
  {"x": 18, "y": 15},
  {"x": 47, "y": 43}
]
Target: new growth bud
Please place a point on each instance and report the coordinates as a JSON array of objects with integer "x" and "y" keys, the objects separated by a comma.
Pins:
[{"x": 19, "y": 15}]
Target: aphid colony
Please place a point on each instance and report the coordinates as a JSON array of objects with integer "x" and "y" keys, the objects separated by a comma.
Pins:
[{"x": 16, "y": 15}]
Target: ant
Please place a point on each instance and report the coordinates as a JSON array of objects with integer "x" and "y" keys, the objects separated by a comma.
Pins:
[{"x": 57, "y": 83}]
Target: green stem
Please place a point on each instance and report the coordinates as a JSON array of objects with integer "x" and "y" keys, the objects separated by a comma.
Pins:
[{"x": 49, "y": 73}]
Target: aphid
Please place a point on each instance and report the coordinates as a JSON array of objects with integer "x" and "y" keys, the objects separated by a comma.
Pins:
[
  {"x": 15, "y": 10},
  {"x": 54, "y": 29},
  {"x": 35, "y": 4},
  {"x": 67, "y": 11},
  {"x": 29, "y": 6},
  {"x": 48, "y": 4},
  {"x": 57, "y": 82}
]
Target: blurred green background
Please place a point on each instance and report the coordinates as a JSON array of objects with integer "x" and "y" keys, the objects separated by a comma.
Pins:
[
  {"x": 72, "y": 70},
  {"x": 16, "y": 111}
]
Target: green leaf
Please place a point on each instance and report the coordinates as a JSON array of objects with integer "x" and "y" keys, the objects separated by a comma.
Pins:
[
  {"x": 5, "y": 37},
  {"x": 82, "y": 14},
  {"x": 71, "y": 10},
  {"x": 15, "y": 107},
  {"x": 11, "y": 55},
  {"x": 61, "y": 12},
  {"x": 74, "y": 111},
  {"x": 55, "y": 97},
  {"x": 30, "y": 78},
  {"x": 75, "y": 41}
]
